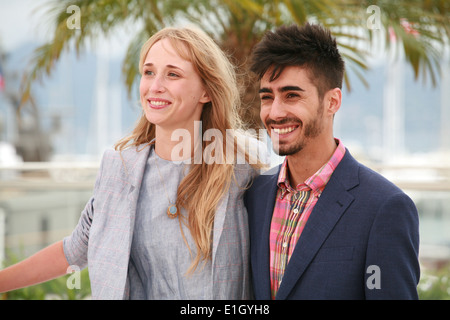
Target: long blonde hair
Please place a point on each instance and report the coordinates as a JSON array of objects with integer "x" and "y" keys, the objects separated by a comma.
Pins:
[{"x": 202, "y": 188}]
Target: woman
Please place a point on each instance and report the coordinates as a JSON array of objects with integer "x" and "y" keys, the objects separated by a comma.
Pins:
[{"x": 161, "y": 224}]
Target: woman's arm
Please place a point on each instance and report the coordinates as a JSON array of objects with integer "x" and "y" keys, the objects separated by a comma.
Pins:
[{"x": 47, "y": 264}]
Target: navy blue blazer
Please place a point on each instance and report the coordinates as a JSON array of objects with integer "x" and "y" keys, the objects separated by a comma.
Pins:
[{"x": 361, "y": 240}]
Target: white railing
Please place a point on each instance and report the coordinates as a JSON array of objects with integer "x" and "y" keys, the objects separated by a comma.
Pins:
[
  {"x": 48, "y": 175},
  {"x": 81, "y": 174},
  {"x": 417, "y": 177}
]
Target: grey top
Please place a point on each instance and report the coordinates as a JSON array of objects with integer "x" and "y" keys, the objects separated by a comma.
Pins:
[{"x": 159, "y": 255}]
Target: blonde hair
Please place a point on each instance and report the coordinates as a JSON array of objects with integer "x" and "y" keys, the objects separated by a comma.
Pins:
[{"x": 202, "y": 188}]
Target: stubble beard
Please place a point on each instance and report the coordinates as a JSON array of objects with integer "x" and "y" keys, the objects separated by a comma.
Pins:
[{"x": 311, "y": 131}]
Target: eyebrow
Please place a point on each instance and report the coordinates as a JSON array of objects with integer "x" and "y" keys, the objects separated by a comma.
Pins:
[
  {"x": 149, "y": 64},
  {"x": 282, "y": 89}
]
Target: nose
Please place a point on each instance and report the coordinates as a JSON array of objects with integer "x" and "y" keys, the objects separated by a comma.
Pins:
[
  {"x": 157, "y": 85},
  {"x": 277, "y": 110}
]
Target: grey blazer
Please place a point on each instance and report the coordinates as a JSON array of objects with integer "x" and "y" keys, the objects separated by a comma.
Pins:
[{"x": 102, "y": 239}]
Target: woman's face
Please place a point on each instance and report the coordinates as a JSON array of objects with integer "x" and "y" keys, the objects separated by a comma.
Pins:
[{"x": 172, "y": 93}]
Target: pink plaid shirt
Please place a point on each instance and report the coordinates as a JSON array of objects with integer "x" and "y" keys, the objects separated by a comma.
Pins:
[{"x": 292, "y": 210}]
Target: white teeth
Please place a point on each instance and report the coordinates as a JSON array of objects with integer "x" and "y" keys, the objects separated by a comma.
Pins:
[
  {"x": 283, "y": 130},
  {"x": 158, "y": 103}
]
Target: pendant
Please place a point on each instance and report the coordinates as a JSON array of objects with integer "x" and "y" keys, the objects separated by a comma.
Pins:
[{"x": 172, "y": 211}]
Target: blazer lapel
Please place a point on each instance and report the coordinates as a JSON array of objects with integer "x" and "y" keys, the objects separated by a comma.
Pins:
[
  {"x": 269, "y": 192},
  {"x": 134, "y": 162},
  {"x": 333, "y": 202}
]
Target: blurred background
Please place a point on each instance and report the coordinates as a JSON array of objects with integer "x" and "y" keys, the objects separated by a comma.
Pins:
[{"x": 68, "y": 91}]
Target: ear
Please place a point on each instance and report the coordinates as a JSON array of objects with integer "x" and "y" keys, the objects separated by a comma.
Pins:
[
  {"x": 333, "y": 99},
  {"x": 205, "y": 97}
]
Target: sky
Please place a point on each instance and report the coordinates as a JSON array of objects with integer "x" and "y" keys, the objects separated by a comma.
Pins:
[
  {"x": 25, "y": 24},
  {"x": 25, "y": 20},
  {"x": 19, "y": 21}
]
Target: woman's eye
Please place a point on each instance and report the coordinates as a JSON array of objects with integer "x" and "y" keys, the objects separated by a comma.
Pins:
[
  {"x": 173, "y": 75},
  {"x": 148, "y": 72}
]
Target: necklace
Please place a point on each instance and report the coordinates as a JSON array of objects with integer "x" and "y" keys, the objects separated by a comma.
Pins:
[{"x": 172, "y": 209}]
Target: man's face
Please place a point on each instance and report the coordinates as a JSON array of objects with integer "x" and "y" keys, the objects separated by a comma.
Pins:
[{"x": 291, "y": 110}]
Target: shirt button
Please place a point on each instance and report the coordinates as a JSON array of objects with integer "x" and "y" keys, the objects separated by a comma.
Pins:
[
  {"x": 296, "y": 210},
  {"x": 285, "y": 244}
]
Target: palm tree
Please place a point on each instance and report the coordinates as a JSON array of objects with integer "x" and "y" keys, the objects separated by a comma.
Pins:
[{"x": 420, "y": 28}]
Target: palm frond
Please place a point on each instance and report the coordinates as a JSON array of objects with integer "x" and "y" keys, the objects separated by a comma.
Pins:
[{"x": 238, "y": 26}]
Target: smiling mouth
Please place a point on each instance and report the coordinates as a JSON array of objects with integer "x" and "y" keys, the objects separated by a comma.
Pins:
[
  {"x": 158, "y": 104},
  {"x": 285, "y": 130}
]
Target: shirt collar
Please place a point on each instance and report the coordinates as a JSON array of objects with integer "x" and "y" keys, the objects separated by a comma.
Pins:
[{"x": 318, "y": 180}]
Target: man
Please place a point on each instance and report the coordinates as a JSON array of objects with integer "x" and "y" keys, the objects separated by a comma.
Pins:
[{"x": 322, "y": 226}]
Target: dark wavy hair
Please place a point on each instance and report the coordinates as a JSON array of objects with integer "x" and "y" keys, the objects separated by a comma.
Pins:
[{"x": 309, "y": 46}]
